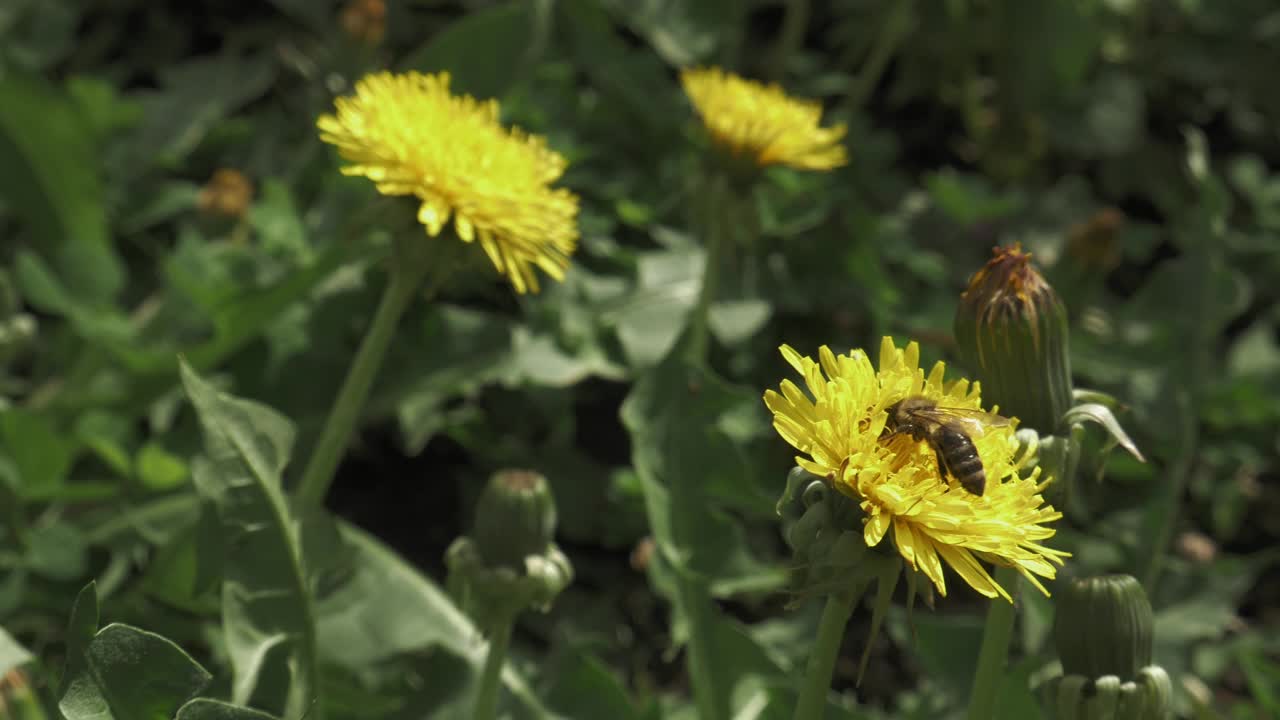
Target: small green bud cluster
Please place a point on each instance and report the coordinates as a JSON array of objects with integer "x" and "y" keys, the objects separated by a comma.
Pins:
[
  {"x": 830, "y": 555},
  {"x": 510, "y": 562},
  {"x": 821, "y": 525}
]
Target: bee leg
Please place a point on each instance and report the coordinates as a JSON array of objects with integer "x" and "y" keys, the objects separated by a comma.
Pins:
[{"x": 942, "y": 467}]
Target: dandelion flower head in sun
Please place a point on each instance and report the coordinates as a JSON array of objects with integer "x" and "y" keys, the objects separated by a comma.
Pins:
[
  {"x": 762, "y": 122},
  {"x": 411, "y": 136},
  {"x": 839, "y": 427}
]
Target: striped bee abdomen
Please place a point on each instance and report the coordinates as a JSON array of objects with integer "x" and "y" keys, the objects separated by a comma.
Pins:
[{"x": 961, "y": 458}]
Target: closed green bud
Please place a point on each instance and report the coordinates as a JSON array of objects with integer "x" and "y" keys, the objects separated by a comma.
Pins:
[
  {"x": 1012, "y": 331},
  {"x": 1103, "y": 627},
  {"x": 515, "y": 517},
  {"x": 509, "y": 563},
  {"x": 823, "y": 528}
]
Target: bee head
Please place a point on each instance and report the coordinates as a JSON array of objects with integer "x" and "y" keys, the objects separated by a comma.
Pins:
[{"x": 893, "y": 418}]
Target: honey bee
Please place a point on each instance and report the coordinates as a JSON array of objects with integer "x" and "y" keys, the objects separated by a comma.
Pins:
[{"x": 949, "y": 431}]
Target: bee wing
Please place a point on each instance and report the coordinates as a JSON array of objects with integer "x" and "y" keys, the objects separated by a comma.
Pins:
[{"x": 972, "y": 420}]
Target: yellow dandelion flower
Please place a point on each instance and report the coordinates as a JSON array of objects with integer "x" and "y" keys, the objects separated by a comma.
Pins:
[
  {"x": 838, "y": 426},
  {"x": 411, "y": 136},
  {"x": 762, "y": 122}
]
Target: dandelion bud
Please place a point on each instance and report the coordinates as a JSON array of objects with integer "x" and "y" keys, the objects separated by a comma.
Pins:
[
  {"x": 515, "y": 517},
  {"x": 1103, "y": 627},
  {"x": 228, "y": 193},
  {"x": 510, "y": 563},
  {"x": 1012, "y": 329}
]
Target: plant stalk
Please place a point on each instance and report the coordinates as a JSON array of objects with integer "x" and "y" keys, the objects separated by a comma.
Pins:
[
  {"x": 822, "y": 660},
  {"x": 712, "y": 701},
  {"x": 896, "y": 27},
  {"x": 791, "y": 37},
  {"x": 996, "y": 634},
  {"x": 403, "y": 284},
  {"x": 714, "y": 232},
  {"x": 486, "y": 707}
]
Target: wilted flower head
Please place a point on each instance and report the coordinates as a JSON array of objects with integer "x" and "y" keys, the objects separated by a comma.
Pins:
[
  {"x": 228, "y": 193},
  {"x": 365, "y": 20},
  {"x": 762, "y": 123},
  {"x": 411, "y": 136},
  {"x": 1094, "y": 244},
  {"x": 1011, "y": 327},
  {"x": 839, "y": 426}
]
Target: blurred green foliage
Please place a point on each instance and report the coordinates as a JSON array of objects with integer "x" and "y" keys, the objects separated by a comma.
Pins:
[{"x": 1131, "y": 145}]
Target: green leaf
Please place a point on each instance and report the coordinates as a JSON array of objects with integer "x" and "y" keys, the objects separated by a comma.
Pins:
[
  {"x": 635, "y": 86},
  {"x": 83, "y": 623},
  {"x": 683, "y": 32},
  {"x": 1102, "y": 415},
  {"x": 142, "y": 674},
  {"x": 194, "y": 97},
  {"x": 316, "y": 15},
  {"x": 472, "y": 349},
  {"x": 583, "y": 686},
  {"x": 688, "y": 455},
  {"x": 275, "y": 218},
  {"x": 177, "y": 572},
  {"x": 504, "y": 30},
  {"x": 132, "y": 675},
  {"x": 41, "y": 455},
  {"x": 388, "y": 608},
  {"x": 650, "y": 320},
  {"x": 158, "y": 469},
  {"x": 81, "y": 628},
  {"x": 938, "y": 643},
  {"x": 1014, "y": 699},
  {"x": 246, "y": 316},
  {"x": 680, "y": 448},
  {"x": 51, "y": 180},
  {"x": 56, "y": 551},
  {"x": 206, "y": 709},
  {"x": 44, "y": 290},
  {"x": 734, "y": 321},
  {"x": 1263, "y": 677},
  {"x": 1046, "y": 52},
  {"x": 967, "y": 199},
  {"x": 107, "y": 436},
  {"x": 12, "y": 655},
  {"x": 266, "y": 612}
]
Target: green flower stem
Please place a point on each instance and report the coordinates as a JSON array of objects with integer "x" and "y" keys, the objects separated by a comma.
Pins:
[
  {"x": 896, "y": 27},
  {"x": 714, "y": 228},
  {"x": 486, "y": 707},
  {"x": 406, "y": 276},
  {"x": 995, "y": 650},
  {"x": 712, "y": 702},
  {"x": 822, "y": 660},
  {"x": 794, "y": 23}
]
